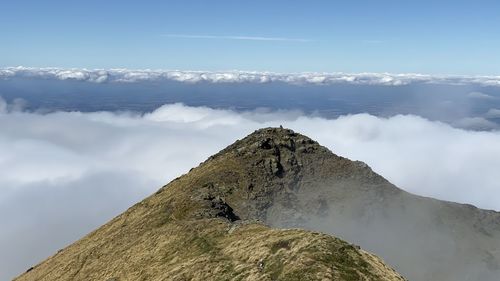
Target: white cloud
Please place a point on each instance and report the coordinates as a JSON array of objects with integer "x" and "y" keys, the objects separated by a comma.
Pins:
[
  {"x": 64, "y": 173},
  {"x": 475, "y": 123},
  {"x": 132, "y": 76},
  {"x": 479, "y": 95},
  {"x": 3, "y": 106},
  {"x": 493, "y": 113},
  {"x": 16, "y": 105}
]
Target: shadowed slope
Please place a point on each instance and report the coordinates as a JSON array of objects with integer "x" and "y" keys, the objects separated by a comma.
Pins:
[{"x": 288, "y": 180}]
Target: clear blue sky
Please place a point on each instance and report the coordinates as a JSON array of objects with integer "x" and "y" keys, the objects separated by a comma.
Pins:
[{"x": 443, "y": 37}]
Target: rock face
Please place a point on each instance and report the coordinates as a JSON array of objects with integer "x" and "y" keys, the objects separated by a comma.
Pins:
[
  {"x": 207, "y": 225},
  {"x": 214, "y": 223}
]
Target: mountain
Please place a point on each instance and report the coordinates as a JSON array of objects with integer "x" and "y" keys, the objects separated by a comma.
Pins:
[
  {"x": 207, "y": 225},
  {"x": 295, "y": 182},
  {"x": 238, "y": 217}
]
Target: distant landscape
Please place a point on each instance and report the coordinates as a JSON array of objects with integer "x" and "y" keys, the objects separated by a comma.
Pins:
[{"x": 464, "y": 102}]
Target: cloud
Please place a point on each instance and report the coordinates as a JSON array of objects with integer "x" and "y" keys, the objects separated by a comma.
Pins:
[
  {"x": 238, "y": 37},
  {"x": 479, "y": 95},
  {"x": 17, "y": 105},
  {"x": 65, "y": 173},
  {"x": 493, "y": 113},
  {"x": 314, "y": 78},
  {"x": 475, "y": 123}
]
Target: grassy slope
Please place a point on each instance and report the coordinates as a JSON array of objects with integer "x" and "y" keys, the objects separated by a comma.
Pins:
[{"x": 182, "y": 233}]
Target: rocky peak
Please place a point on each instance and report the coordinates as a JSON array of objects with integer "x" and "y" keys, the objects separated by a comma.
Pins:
[
  {"x": 266, "y": 169},
  {"x": 203, "y": 225},
  {"x": 273, "y": 139}
]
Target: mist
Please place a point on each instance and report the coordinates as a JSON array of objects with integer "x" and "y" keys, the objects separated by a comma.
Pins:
[
  {"x": 63, "y": 174},
  {"x": 422, "y": 238}
]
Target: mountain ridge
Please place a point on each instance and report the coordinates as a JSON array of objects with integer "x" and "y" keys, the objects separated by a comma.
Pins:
[
  {"x": 189, "y": 230},
  {"x": 286, "y": 180}
]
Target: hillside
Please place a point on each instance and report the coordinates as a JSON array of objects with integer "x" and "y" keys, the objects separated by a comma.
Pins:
[
  {"x": 237, "y": 217},
  {"x": 207, "y": 225}
]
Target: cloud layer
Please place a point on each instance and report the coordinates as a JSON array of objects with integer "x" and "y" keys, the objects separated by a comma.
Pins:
[
  {"x": 126, "y": 75},
  {"x": 65, "y": 173}
]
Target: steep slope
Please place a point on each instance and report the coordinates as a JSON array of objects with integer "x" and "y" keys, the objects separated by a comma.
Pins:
[
  {"x": 288, "y": 180},
  {"x": 292, "y": 181},
  {"x": 204, "y": 225}
]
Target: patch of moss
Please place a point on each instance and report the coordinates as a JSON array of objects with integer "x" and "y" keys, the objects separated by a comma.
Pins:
[
  {"x": 204, "y": 244},
  {"x": 282, "y": 244},
  {"x": 303, "y": 274},
  {"x": 274, "y": 267}
]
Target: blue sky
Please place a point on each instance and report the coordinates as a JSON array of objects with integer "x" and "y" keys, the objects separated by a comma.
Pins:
[{"x": 435, "y": 37}]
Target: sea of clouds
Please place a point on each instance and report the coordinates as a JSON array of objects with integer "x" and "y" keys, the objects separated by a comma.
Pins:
[
  {"x": 236, "y": 76},
  {"x": 63, "y": 174}
]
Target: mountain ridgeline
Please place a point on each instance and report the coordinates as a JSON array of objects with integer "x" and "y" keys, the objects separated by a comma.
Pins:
[{"x": 264, "y": 209}]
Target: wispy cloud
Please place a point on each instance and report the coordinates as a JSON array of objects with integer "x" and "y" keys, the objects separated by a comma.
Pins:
[
  {"x": 479, "y": 95},
  {"x": 236, "y": 37},
  {"x": 372, "y": 41}
]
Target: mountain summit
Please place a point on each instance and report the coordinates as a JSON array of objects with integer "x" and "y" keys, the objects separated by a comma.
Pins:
[
  {"x": 208, "y": 225},
  {"x": 238, "y": 216}
]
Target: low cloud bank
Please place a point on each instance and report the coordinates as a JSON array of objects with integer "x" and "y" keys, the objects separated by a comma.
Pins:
[
  {"x": 315, "y": 78},
  {"x": 64, "y": 173}
]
